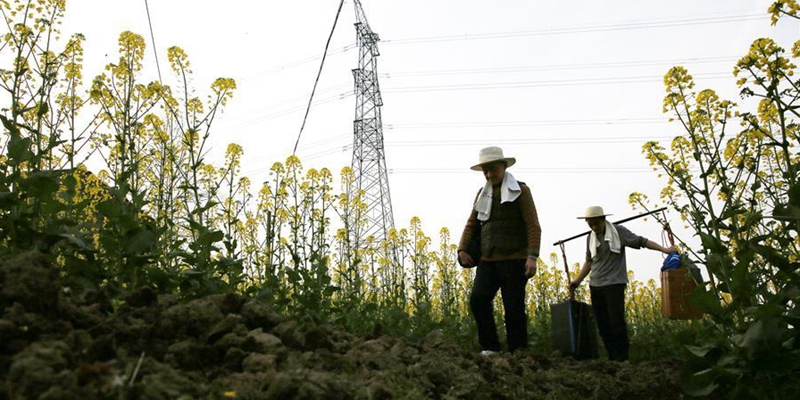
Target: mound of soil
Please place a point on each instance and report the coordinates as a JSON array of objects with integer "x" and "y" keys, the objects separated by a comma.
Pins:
[{"x": 58, "y": 345}]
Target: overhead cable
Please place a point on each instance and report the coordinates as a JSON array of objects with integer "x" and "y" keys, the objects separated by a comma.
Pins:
[
  {"x": 319, "y": 73},
  {"x": 479, "y": 86},
  {"x": 581, "y": 29},
  {"x": 554, "y": 31},
  {"x": 153, "y": 38},
  {"x": 543, "y": 83},
  {"x": 558, "y": 67}
]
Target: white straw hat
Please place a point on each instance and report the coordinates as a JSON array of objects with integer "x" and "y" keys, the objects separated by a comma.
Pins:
[
  {"x": 594, "y": 212},
  {"x": 492, "y": 154}
]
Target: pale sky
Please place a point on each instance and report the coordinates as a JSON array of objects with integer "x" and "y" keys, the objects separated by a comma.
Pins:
[{"x": 571, "y": 89}]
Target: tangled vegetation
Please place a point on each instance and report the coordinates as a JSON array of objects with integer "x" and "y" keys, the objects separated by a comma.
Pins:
[
  {"x": 734, "y": 177},
  {"x": 156, "y": 216}
]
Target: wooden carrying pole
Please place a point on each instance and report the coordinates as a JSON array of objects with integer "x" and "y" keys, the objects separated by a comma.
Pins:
[{"x": 560, "y": 244}]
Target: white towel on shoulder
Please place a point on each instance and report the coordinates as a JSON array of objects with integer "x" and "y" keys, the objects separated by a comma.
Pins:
[
  {"x": 611, "y": 236},
  {"x": 509, "y": 191}
]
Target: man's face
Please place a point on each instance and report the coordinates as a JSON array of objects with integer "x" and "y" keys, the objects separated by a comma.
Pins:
[
  {"x": 596, "y": 224},
  {"x": 494, "y": 172}
]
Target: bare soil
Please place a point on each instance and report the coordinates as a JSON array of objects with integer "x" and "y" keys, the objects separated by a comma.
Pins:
[{"x": 55, "y": 344}]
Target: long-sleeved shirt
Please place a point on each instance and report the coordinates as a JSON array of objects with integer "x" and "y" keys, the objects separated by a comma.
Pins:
[{"x": 532, "y": 227}]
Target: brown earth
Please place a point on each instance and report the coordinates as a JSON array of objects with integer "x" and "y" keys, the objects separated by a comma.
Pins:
[{"x": 58, "y": 345}]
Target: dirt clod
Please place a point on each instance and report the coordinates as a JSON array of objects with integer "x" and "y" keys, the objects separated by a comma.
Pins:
[{"x": 62, "y": 345}]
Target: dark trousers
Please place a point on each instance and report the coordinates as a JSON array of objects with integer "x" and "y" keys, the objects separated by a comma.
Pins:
[
  {"x": 608, "y": 303},
  {"x": 509, "y": 277}
]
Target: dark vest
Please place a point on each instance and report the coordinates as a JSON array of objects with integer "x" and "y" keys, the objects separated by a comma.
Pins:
[{"x": 505, "y": 231}]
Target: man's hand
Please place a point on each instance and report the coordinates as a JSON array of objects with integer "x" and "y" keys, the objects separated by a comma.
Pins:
[
  {"x": 655, "y": 246},
  {"x": 574, "y": 284},
  {"x": 465, "y": 258},
  {"x": 530, "y": 267}
]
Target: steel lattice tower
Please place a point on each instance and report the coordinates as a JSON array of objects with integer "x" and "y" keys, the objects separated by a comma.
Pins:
[{"x": 369, "y": 161}]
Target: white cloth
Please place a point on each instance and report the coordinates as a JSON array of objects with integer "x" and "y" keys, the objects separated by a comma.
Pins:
[
  {"x": 611, "y": 236},
  {"x": 509, "y": 191}
]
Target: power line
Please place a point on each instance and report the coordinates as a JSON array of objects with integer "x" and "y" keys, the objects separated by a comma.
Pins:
[
  {"x": 526, "y": 141},
  {"x": 344, "y": 95},
  {"x": 487, "y": 86},
  {"x": 340, "y": 143},
  {"x": 502, "y": 70},
  {"x": 312, "y": 156},
  {"x": 500, "y": 124},
  {"x": 319, "y": 73},
  {"x": 326, "y": 143},
  {"x": 153, "y": 38},
  {"x": 482, "y": 86},
  {"x": 550, "y": 170},
  {"x": 558, "y": 67},
  {"x": 291, "y": 110},
  {"x": 297, "y": 63},
  {"x": 543, "y": 83},
  {"x": 581, "y": 29},
  {"x": 341, "y": 138},
  {"x": 555, "y": 31},
  {"x": 343, "y": 147},
  {"x": 301, "y": 99}
]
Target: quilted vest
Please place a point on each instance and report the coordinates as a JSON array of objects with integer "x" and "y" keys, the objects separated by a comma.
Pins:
[{"x": 505, "y": 231}]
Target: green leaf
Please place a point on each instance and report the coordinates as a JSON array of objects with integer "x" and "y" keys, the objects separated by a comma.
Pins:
[
  {"x": 700, "y": 351},
  {"x": 712, "y": 243},
  {"x": 190, "y": 272},
  {"x": 794, "y": 193},
  {"x": 294, "y": 277},
  {"x": 706, "y": 301},
  {"x": 729, "y": 361},
  {"x": 214, "y": 237},
  {"x": 700, "y": 383},
  {"x": 70, "y": 182},
  {"x": 139, "y": 241},
  {"x": 209, "y": 204},
  {"x": 12, "y": 126},
  {"x": 109, "y": 208},
  {"x": 43, "y": 109},
  {"x": 41, "y": 184},
  {"x": 19, "y": 150},
  {"x": 776, "y": 258},
  {"x": 752, "y": 335},
  {"x": 74, "y": 240}
]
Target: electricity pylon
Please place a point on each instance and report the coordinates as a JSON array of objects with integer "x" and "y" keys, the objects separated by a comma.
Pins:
[{"x": 369, "y": 161}]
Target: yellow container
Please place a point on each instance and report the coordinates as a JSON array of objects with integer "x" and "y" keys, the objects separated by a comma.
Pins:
[{"x": 676, "y": 287}]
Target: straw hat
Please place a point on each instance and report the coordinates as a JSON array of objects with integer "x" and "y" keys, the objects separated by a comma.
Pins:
[
  {"x": 492, "y": 154},
  {"x": 594, "y": 212}
]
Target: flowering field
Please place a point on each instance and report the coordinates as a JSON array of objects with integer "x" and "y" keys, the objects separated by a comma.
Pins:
[{"x": 97, "y": 263}]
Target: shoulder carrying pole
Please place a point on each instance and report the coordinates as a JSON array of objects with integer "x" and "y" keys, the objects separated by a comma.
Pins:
[
  {"x": 622, "y": 221},
  {"x": 560, "y": 244}
]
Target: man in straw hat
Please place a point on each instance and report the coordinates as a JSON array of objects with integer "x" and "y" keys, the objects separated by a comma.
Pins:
[
  {"x": 509, "y": 240},
  {"x": 605, "y": 259}
]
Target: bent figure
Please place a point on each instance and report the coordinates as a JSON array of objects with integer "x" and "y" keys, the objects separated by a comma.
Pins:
[{"x": 605, "y": 259}]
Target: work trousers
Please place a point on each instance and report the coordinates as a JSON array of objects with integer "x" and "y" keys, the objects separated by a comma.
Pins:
[
  {"x": 509, "y": 277},
  {"x": 608, "y": 303}
]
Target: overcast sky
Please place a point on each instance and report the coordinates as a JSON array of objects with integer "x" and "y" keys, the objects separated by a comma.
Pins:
[{"x": 571, "y": 89}]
